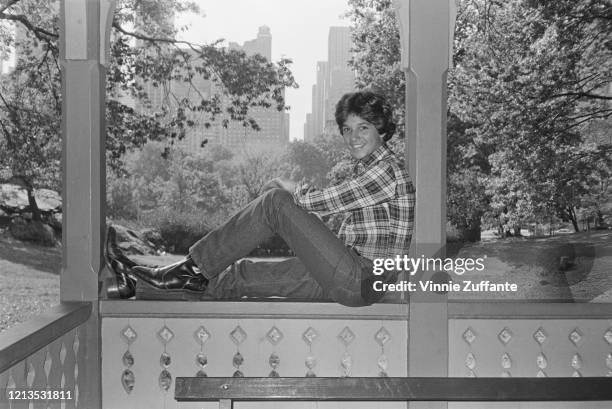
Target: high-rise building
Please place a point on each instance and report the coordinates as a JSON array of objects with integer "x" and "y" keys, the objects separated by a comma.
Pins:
[
  {"x": 340, "y": 76},
  {"x": 261, "y": 45},
  {"x": 335, "y": 77},
  {"x": 274, "y": 124},
  {"x": 308, "y": 128},
  {"x": 320, "y": 96}
]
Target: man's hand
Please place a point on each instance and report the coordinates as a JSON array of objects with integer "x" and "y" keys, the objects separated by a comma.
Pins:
[{"x": 280, "y": 183}]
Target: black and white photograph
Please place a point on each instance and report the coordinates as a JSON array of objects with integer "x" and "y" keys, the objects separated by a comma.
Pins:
[{"x": 306, "y": 204}]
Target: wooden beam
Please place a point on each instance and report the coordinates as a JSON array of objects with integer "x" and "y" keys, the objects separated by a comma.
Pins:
[
  {"x": 84, "y": 41},
  {"x": 393, "y": 389},
  {"x": 521, "y": 310},
  {"x": 512, "y": 309},
  {"x": 83, "y": 158},
  {"x": 21, "y": 341},
  {"x": 251, "y": 309},
  {"x": 426, "y": 33}
]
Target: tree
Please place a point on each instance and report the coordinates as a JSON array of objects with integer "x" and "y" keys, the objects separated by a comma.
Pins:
[
  {"x": 145, "y": 56},
  {"x": 29, "y": 122},
  {"x": 527, "y": 84},
  {"x": 375, "y": 35},
  {"x": 307, "y": 163},
  {"x": 186, "y": 184},
  {"x": 376, "y": 52},
  {"x": 253, "y": 171}
]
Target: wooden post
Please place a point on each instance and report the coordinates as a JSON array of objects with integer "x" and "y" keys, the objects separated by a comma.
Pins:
[
  {"x": 426, "y": 33},
  {"x": 84, "y": 38}
]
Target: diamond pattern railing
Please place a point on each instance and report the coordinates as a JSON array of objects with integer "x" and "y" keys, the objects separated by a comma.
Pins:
[
  {"x": 570, "y": 341},
  {"x": 48, "y": 354}
]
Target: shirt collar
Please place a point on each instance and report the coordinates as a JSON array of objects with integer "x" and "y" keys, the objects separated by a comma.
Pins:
[{"x": 376, "y": 155}]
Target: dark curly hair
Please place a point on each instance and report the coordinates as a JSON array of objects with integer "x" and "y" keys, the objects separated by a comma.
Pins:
[{"x": 370, "y": 106}]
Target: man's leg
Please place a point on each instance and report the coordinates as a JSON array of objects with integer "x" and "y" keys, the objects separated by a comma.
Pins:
[
  {"x": 288, "y": 278},
  {"x": 336, "y": 268}
]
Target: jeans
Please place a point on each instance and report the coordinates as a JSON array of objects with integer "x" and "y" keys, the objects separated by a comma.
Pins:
[{"x": 324, "y": 269}]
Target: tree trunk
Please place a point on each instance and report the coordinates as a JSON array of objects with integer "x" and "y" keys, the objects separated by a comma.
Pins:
[
  {"x": 33, "y": 205},
  {"x": 471, "y": 233},
  {"x": 572, "y": 216},
  {"x": 25, "y": 183},
  {"x": 599, "y": 220}
]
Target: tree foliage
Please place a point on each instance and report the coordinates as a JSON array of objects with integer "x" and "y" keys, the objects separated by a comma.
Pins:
[
  {"x": 529, "y": 79},
  {"x": 307, "y": 163},
  {"x": 188, "y": 80},
  {"x": 376, "y": 51},
  {"x": 527, "y": 89}
]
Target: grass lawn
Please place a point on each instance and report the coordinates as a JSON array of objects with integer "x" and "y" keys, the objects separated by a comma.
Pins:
[
  {"x": 29, "y": 279},
  {"x": 534, "y": 265}
]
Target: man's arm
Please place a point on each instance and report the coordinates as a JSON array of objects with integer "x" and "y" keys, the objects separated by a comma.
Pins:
[{"x": 376, "y": 185}]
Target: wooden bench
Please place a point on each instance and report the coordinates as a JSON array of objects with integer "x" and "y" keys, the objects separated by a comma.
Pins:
[{"x": 228, "y": 390}]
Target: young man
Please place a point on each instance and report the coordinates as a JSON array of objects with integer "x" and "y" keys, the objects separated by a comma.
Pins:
[{"x": 378, "y": 203}]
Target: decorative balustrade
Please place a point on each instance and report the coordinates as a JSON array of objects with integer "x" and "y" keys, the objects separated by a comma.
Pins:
[
  {"x": 530, "y": 340},
  {"x": 46, "y": 353},
  {"x": 147, "y": 346},
  {"x": 143, "y": 356},
  {"x": 164, "y": 341},
  {"x": 534, "y": 348}
]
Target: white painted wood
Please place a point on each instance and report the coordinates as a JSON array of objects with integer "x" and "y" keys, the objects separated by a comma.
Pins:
[
  {"x": 75, "y": 29},
  {"x": 523, "y": 348},
  {"x": 84, "y": 180},
  {"x": 236, "y": 310},
  {"x": 107, "y": 10},
  {"x": 256, "y": 350},
  {"x": 523, "y": 351},
  {"x": 426, "y": 33}
]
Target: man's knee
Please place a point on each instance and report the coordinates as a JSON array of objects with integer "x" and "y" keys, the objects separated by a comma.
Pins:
[{"x": 277, "y": 196}]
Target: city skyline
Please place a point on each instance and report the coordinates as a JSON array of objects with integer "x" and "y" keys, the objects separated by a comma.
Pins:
[
  {"x": 334, "y": 78},
  {"x": 299, "y": 30}
]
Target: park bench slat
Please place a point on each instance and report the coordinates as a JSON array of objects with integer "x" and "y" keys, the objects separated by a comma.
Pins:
[{"x": 393, "y": 389}]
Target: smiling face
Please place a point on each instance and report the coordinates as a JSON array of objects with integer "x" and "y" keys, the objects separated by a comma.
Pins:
[{"x": 361, "y": 136}]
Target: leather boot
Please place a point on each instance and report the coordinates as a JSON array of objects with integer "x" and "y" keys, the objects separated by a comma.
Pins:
[
  {"x": 177, "y": 276},
  {"x": 122, "y": 286}
]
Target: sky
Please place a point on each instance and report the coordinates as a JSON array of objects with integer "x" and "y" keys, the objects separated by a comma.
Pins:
[{"x": 299, "y": 31}]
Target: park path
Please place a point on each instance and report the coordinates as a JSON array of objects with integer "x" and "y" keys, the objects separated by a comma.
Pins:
[{"x": 534, "y": 265}]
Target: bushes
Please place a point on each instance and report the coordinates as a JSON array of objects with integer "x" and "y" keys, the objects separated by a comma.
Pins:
[
  {"x": 120, "y": 201},
  {"x": 32, "y": 230},
  {"x": 185, "y": 194},
  {"x": 178, "y": 230}
]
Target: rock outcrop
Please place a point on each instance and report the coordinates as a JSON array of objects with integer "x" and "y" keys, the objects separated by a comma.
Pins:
[
  {"x": 16, "y": 215},
  {"x": 14, "y": 199}
]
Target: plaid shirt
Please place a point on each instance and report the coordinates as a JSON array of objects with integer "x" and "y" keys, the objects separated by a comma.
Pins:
[{"x": 378, "y": 202}]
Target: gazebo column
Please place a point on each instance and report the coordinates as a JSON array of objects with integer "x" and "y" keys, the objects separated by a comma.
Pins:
[
  {"x": 426, "y": 33},
  {"x": 84, "y": 38}
]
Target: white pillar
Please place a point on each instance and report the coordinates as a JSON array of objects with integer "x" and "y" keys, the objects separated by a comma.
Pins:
[
  {"x": 84, "y": 37},
  {"x": 426, "y": 33}
]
